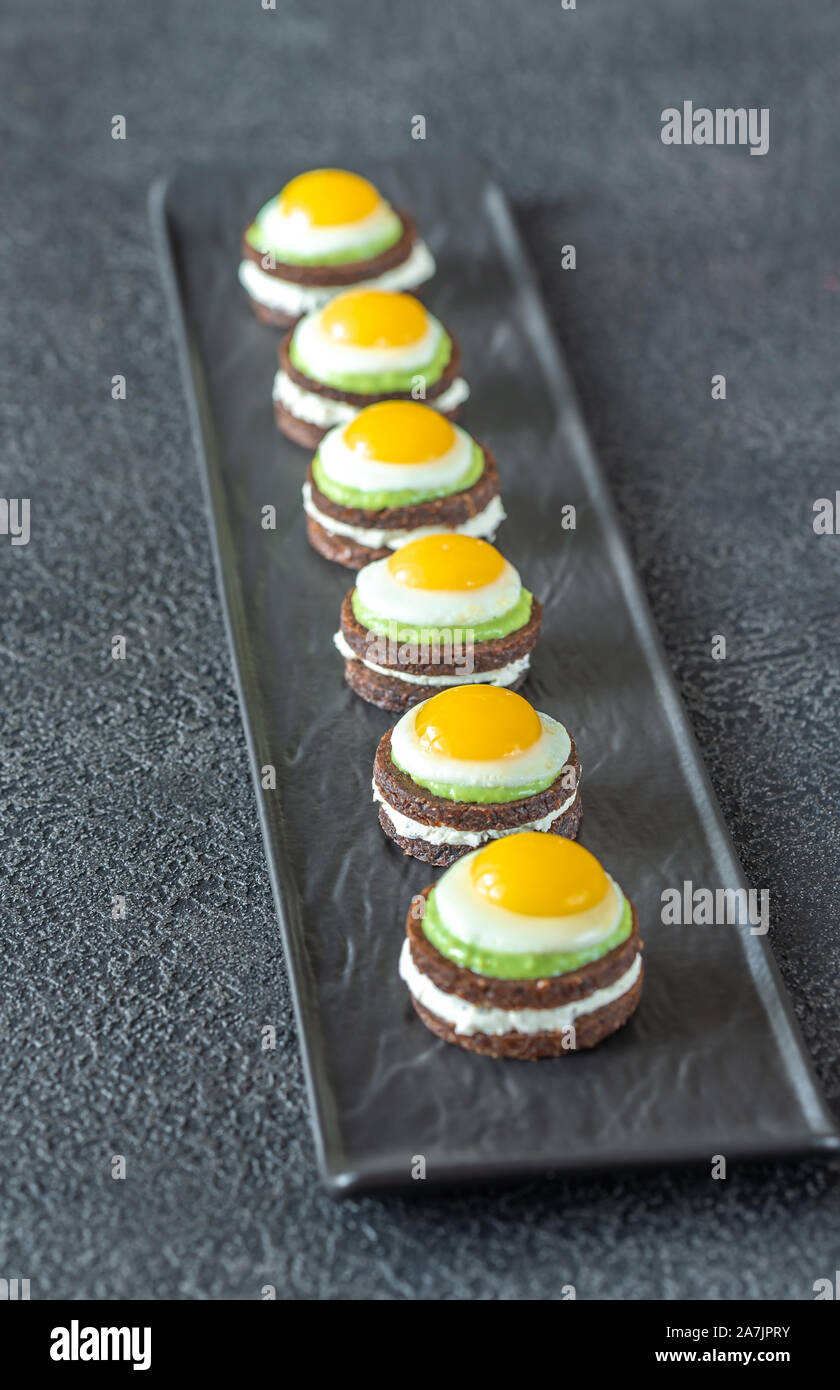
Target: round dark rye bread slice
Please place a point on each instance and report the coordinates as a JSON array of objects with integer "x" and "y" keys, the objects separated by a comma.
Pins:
[
  {"x": 552, "y": 992},
  {"x": 393, "y": 695},
  {"x": 405, "y": 795},
  {"x": 441, "y": 856},
  {"x": 274, "y": 318},
  {"x": 341, "y": 550},
  {"x": 445, "y": 512},
  {"x": 487, "y": 656},
  {"x": 299, "y": 431},
  {"x": 396, "y": 695},
  {"x": 590, "y": 1029},
  {"x": 338, "y": 276}
]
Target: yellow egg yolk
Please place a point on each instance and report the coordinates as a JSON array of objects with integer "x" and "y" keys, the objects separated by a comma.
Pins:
[
  {"x": 399, "y": 432},
  {"x": 479, "y": 722},
  {"x": 374, "y": 319},
  {"x": 538, "y": 875},
  {"x": 329, "y": 197},
  {"x": 447, "y": 560}
]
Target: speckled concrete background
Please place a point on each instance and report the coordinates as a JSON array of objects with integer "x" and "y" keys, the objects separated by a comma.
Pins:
[{"x": 142, "y": 1038}]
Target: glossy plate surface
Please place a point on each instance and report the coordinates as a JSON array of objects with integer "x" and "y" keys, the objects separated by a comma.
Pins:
[{"x": 713, "y": 1062}]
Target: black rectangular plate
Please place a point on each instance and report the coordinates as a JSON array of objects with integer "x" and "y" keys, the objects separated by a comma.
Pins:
[{"x": 713, "y": 1061}]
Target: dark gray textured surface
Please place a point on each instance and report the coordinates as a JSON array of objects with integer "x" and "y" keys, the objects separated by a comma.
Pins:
[{"x": 142, "y": 1038}]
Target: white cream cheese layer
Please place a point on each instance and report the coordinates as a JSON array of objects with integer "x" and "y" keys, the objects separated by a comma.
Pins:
[
  {"x": 445, "y": 834},
  {"x": 306, "y": 405},
  {"x": 294, "y": 299},
  {"x": 469, "y": 1019},
  {"x": 502, "y": 675},
  {"x": 484, "y": 524},
  {"x": 326, "y": 412}
]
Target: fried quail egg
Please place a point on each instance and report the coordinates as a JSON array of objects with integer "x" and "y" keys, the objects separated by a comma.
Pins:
[
  {"x": 367, "y": 332},
  {"x": 479, "y": 737},
  {"x": 529, "y": 893},
  {"x": 327, "y": 215},
  {"x": 443, "y": 580},
  {"x": 394, "y": 445}
]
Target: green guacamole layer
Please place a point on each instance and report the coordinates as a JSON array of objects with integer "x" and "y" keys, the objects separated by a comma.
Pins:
[
  {"x": 506, "y": 965},
  {"x": 482, "y": 795},
  {"x": 346, "y": 496},
  {"x": 379, "y": 383},
  {"x": 488, "y": 631},
  {"x": 365, "y": 252}
]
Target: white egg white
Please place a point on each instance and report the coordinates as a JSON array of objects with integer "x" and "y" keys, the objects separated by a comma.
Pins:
[
  {"x": 379, "y": 591},
  {"x": 347, "y": 467},
  {"x": 321, "y": 355},
  {"x": 476, "y": 920},
  {"x": 294, "y": 234},
  {"x": 545, "y": 758}
]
